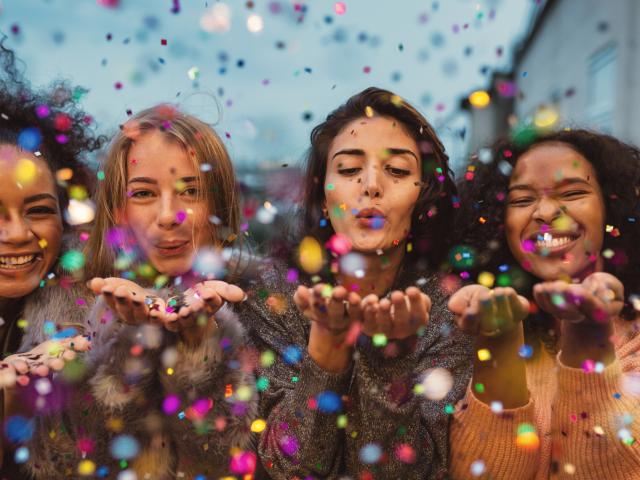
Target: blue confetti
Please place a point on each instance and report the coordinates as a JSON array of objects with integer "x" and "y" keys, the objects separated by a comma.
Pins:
[
  {"x": 292, "y": 355},
  {"x": 329, "y": 402}
]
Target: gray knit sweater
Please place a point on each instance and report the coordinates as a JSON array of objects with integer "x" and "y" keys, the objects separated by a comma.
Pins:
[{"x": 366, "y": 422}]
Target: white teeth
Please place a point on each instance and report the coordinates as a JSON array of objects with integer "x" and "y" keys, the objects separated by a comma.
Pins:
[
  {"x": 16, "y": 262},
  {"x": 548, "y": 241}
]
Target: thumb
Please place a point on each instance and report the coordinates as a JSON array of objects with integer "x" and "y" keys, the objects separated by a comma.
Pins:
[{"x": 460, "y": 300}]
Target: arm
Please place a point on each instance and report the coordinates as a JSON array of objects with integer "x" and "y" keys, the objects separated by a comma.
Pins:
[
  {"x": 302, "y": 401},
  {"x": 477, "y": 433},
  {"x": 388, "y": 409}
]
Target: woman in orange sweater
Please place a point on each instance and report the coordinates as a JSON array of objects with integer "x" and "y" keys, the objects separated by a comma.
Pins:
[{"x": 555, "y": 396}]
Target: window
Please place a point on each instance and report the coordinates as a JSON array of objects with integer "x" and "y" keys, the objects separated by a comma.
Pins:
[{"x": 601, "y": 88}]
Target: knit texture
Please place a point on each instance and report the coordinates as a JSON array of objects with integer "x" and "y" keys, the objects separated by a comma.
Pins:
[
  {"x": 324, "y": 425},
  {"x": 578, "y": 417}
]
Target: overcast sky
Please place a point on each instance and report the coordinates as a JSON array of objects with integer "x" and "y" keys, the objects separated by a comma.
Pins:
[{"x": 272, "y": 85}]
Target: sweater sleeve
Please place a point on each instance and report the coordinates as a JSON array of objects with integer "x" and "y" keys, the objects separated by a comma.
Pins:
[
  {"x": 300, "y": 402},
  {"x": 483, "y": 443},
  {"x": 597, "y": 414},
  {"x": 210, "y": 399},
  {"x": 389, "y": 410}
]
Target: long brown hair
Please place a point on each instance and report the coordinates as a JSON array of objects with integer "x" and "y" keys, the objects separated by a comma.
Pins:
[
  {"x": 432, "y": 217},
  {"x": 203, "y": 146}
]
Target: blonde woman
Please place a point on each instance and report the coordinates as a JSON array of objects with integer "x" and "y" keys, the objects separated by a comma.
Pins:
[{"x": 170, "y": 374}]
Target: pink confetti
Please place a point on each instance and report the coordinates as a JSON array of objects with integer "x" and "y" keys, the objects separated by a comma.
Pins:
[{"x": 340, "y": 8}]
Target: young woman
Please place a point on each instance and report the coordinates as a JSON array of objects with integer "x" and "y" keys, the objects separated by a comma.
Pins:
[
  {"x": 379, "y": 195},
  {"x": 43, "y": 135},
  {"x": 557, "y": 395},
  {"x": 170, "y": 376}
]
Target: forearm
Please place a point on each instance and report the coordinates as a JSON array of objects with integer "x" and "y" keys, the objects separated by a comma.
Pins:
[
  {"x": 329, "y": 351},
  {"x": 502, "y": 377},
  {"x": 586, "y": 341}
]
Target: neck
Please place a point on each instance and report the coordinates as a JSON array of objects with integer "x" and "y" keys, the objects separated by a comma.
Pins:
[
  {"x": 380, "y": 272},
  {"x": 7, "y": 304}
]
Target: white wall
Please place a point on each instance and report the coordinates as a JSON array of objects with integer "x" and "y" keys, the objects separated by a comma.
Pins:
[{"x": 557, "y": 60}]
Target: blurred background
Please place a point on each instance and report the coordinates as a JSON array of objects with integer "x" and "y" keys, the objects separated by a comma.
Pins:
[{"x": 264, "y": 72}]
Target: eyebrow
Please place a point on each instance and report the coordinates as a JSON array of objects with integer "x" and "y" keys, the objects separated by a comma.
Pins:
[
  {"x": 360, "y": 153},
  {"x": 155, "y": 182},
  {"x": 561, "y": 183},
  {"x": 40, "y": 196}
]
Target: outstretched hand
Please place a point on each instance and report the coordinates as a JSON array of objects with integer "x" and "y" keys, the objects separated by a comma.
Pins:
[
  {"x": 481, "y": 311},
  {"x": 194, "y": 317},
  {"x": 598, "y": 299},
  {"x": 50, "y": 355},
  {"x": 333, "y": 309},
  {"x": 133, "y": 304},
  {"x": 397, "y": 317}
]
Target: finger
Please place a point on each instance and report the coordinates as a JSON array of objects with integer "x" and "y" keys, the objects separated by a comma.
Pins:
[
  {"x": 354, "y": 307},
  {"x": 383, "y": 318},
  {"x": 40, "y": 370},
  {"x": 124, "y": 306},
  {"x": 463, "y": 297},
  {"x": 96, "y": 284},
  {"x": 211, "y": 300},
  {"x": 403, "y": 323},
  {"x": 170, "y": 322},
  {"x": 542, "y": 297},
  {"x": 302, "y": 298},
  {"x": 80, "y": 343},
  {"x": 336, "y": 315},
  {"x": 68, "y": 355},
  {"x": 20, "y": 366},
  {"x": 369, "y": 307},
  {"x": 139, "y": 309},
  {"x": 487, "y": 313},
  {"x": 419, "y": 305},
  {"x": 56, "y": 364}
]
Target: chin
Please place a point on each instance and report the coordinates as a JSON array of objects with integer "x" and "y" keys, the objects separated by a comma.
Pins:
[
  {"x": 550, "y": 271},
  {"x": 18, "y": 289},
  {"x": 174, "y": 269}
]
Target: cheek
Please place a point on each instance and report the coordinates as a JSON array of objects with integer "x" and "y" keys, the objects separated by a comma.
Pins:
[
  {"x": 52, "y": 233},
  {"x": 513, "y": 228}
]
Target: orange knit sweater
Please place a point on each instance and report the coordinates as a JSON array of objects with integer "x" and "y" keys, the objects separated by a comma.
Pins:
[{"x": 578, "y": 417}]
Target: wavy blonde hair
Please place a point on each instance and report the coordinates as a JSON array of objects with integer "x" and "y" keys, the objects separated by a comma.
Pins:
[{"x": 203, "y": 146}]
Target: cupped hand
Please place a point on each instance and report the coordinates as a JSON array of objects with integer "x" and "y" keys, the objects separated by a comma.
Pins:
[
  {"x": 335, "y": 310},
  {"x": 490, "y": 313},
  {"x": 50, "y": 355},
  {"x": 194, "y": 314},
  {"x": 129, "y": 301},
  {"x": 598, "y": 298},
  {"x": 397, "y": 317}
]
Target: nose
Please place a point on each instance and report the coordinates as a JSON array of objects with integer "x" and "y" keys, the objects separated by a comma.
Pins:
[
  {"x": 547, "y": 210},
  {"x": 372, "y": 186},
  {"x": 14, "y": 229},
  {"x": 167, "y": 215}
]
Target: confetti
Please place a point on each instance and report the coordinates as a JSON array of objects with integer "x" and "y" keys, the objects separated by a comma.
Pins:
[
  {"x": 25, "y": 172},
  {"x": 436, "y": 383}
]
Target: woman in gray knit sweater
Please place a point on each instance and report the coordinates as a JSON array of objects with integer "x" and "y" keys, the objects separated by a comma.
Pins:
[{"x": 358, "y": 374}]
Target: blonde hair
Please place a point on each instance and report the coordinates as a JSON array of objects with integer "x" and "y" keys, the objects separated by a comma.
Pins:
[{"x": 202, "y": 144}]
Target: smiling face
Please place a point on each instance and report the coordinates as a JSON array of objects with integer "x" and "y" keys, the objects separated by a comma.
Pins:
[
  {"x": 555, "y": 214},
  {"x": 164, "y": 209},
  {"x": 372, "y": 183},
  {"x": 30, "y": 222}
]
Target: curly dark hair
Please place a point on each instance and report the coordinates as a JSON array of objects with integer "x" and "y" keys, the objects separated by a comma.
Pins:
[
  {"x": 432, "y": 219},
  {"x": 65, "y": 131},
  {"x": 483, "y": 193}
]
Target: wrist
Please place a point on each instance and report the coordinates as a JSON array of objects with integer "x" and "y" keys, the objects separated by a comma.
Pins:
[
  {"x": 194, "y": 336},
  {"x": 328, "y": 349}
]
